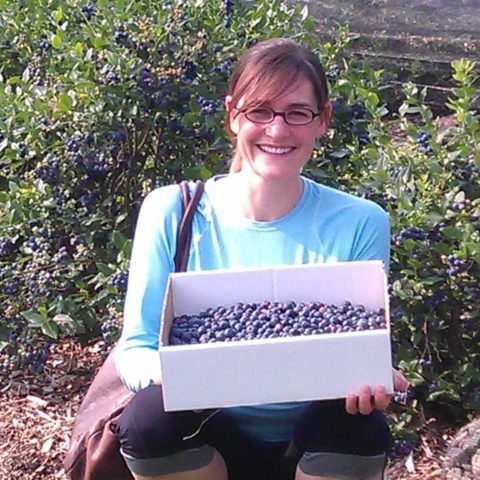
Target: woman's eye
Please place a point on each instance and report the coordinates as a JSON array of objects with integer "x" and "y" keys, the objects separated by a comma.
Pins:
[
  {"x": 261, "y": 113},
  {"x": 298, "y": 115}
]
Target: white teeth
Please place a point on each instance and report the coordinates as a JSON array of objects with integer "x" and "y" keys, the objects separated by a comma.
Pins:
[{"x": 277, "y": 150}]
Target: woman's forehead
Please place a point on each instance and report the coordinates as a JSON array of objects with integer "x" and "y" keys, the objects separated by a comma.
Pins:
[{"x": 298, "y": 93}]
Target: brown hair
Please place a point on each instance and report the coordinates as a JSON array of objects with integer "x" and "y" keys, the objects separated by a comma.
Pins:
[{"x": 266, "y": 70}]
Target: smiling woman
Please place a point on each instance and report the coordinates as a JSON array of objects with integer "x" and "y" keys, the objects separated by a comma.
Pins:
[
  {"x": 263, "y": 213},
  {"x": 274, "y": 69},
  {"x": 277, "y": 149}
]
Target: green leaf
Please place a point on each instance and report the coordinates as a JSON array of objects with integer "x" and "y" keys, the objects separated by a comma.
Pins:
[
  {"x": 118, "y": 239},
  {"x": 81, "y": 284},
  {"x": 64, "y": 102},
  {"x": 304, "y": 13},
  {"x": 372, "y": 100},
  {"x": 104, "y": 269},
  {"x": 104, "y": 293},
  {"x": 210, "y": 121},
  {"x": 189, "y": 119},
  {"x": 120, "y": 219},
  {"x": 414, "y": 378},
  {"x": 13, "y": 187},
  {"x": 34, "y": 318},
  {"x": 98, "y": 42},
  {"x": 447, "y": 395},
  {"x": 50, "y": 328},
  {"x": 63, "y": 319},
  {"x": 56, "y": 41},
  {"x": 218, "y": 144},
  {"x": 58, "y": 14},
  {"x": 205, "y": 173},
  {"x": 451, "y": 232},
  {"x": 342, "y": 153},
  {"x": 432, "y": 280},
  {"x": 66, "y": 323}
]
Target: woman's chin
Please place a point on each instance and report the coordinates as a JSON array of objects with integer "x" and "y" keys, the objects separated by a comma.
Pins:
[{"x": 275, "y": 171}]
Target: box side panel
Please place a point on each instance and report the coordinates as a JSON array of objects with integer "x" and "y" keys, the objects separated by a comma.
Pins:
[
  {"x": 167, "y": 314},
  {"x": 358, "y": 282},
  {"x": 250, "y": 373},
  {"x": 387, "y": 302},
  {"x": 194, "y": 293}
]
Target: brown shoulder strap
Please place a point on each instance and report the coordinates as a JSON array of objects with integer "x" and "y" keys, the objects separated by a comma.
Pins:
[{"x": 184, "y": 234}]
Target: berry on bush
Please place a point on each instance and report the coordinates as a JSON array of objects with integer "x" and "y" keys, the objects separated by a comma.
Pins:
[
  {"x": 422, "y": 140},
  {"x": 119, "y": 281},
  {"x": 455, "y": 265},
  {"x": 207, "y": 107},
  {"x": 332, "y": 73},
  {"x": 401, "y": 447}
]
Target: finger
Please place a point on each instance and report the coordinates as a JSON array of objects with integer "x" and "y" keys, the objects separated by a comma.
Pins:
[
  {"x": 381, "y": 399},
  {"x": 365, "y": 403},
  {"x": 351, "y": 404},
  {"x": 400, "y": 383}
]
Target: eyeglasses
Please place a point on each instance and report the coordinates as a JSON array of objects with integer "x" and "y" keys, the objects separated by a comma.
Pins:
[{"x": 295, "y": 116}]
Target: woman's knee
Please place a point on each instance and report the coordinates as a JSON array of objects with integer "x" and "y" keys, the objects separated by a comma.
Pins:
[
  {"x": 327, "y": 427},
  {"x": 342, "y": 466},
  {"x": 338, "y": 445},
  {"x": 145, "y": 430}
]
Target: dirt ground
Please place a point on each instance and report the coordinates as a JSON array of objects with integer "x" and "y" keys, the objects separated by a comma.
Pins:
[{"x": 37, "y": 414}]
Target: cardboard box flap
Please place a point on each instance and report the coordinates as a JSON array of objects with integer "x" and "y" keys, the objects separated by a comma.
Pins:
[
  {"x": 194, "y": 293},
  {"x": 359, "y": 282}
]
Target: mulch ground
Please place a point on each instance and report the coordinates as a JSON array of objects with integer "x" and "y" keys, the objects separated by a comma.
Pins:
[{"x": 38, "y": 411}]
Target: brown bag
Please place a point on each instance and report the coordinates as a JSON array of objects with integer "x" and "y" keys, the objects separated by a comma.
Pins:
[{"x": 94, "y": 452}]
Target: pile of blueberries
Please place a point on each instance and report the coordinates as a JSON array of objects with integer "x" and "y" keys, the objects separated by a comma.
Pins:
[{"x": 269, "y": 319}]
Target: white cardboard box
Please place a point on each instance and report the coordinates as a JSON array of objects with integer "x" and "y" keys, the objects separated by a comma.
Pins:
[{"x": 253, "y": 372}]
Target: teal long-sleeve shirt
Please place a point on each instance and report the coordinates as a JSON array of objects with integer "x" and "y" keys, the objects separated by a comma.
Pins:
[{"x": 326, "y": 225}]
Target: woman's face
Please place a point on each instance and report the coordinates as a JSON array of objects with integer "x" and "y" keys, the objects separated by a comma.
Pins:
[{"x": 276, "y": 149}]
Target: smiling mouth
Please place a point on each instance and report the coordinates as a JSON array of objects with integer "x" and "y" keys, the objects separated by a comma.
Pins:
[{"x": 275, "y": 150}]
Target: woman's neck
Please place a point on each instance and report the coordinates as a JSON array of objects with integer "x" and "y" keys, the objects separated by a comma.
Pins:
[{"x": 264, "y": 199}]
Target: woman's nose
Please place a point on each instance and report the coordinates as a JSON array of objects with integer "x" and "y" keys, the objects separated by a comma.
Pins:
[{"x": 278, "y": 127}]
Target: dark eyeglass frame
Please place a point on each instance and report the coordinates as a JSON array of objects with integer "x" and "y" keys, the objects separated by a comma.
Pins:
[{"x": 246, "y": 111}]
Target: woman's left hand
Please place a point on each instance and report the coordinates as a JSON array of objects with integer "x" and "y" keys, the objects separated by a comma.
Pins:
[{"x": 366, "y": 401}]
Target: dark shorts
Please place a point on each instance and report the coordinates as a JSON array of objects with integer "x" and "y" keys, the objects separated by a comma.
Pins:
[{"x": 146, "y": 431}]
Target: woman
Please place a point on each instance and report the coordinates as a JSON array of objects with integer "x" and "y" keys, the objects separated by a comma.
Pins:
[{"x": 263, "y": 213}]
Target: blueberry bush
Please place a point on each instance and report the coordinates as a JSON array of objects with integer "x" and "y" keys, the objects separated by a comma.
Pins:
[
  {"x": 426, "y": 176},
  {"x": 100, "y": 102}
]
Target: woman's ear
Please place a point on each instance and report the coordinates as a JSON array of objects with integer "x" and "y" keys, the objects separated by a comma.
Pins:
[
  {"x": 326, "y": 113},
  {"x": 228, "y": 103},
  {"x": 231, "y": 117},
  {"x": 324, "y": 118}
]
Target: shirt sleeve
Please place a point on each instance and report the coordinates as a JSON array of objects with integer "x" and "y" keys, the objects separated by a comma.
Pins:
[
  {"x": 136, "y": 356},
  {"x": 372, "y": 239}
]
